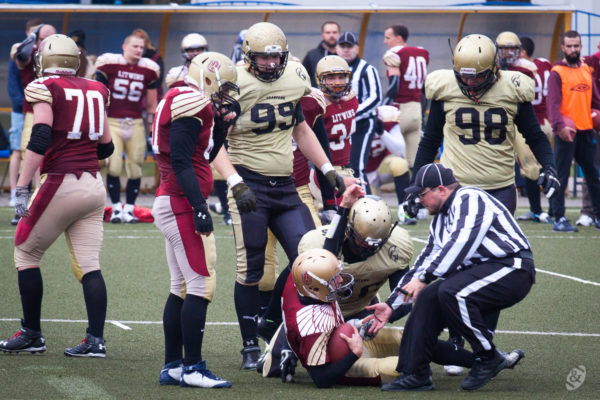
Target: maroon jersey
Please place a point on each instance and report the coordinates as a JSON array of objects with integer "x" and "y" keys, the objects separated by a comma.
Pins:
[
  {"x": 182, "y": 102},
  {"x": 413, "y": 71},
  {"x": 127, "y": 83},
  {"x": 78, "y": 106},
  {"x": 541, "y": 88},
  {"x": 313, "y": 107},
  {"x": 27, "y": 76},
  {"x": 378, "y": 153},
  {"x": 308, "y": 327},
  {"x": 340, "y": 123}
]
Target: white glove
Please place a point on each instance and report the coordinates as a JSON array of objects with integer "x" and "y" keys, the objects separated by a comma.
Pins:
[
  {"x": 388, "y": 114},
  {"x": 391, "y": 59}
]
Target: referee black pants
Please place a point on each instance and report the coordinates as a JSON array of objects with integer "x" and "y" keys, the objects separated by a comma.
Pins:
[
  {"x": 460, "y": 303},
  {"x": 361, "y": 147}
]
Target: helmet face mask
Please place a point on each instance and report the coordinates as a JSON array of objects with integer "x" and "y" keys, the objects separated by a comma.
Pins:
[
  {"x": 334, "y": 76},
  {"x": 58, "y": 54},
  {"x": 265, "y": 51},
  {"x": 509, "y": 48},
  {"x": 369, "y": 226},
  {"x": 475, "y": 65},
  {"x": 318, "y": 274}
]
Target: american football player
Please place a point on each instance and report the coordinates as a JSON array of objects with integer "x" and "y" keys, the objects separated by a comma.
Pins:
[
  {"x": 259, "y": 165},
  {"x": 130, "y": 78},
  {"x": 183, "y": 144},
  {"x": 476, "y": 109},
  {"x": 192, "y": 44},
  {"x": 406, "y": 68},
  {"x": 69, "y": 135}
]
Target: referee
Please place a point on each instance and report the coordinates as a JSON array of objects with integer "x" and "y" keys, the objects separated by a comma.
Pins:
[
  {"x": 367, "y": 87},
  {"x": 486, "y": 265}
]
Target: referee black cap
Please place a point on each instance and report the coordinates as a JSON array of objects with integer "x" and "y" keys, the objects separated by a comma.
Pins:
[{"x": 431, "y": 176}]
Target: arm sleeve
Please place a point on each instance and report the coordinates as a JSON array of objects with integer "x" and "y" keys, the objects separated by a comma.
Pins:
[
  {"x": 100, "y": 77},
  {"x": 299, "y": 114},
  {"x": 528, "y": 125},
  {"x": 337, "y": 232},
  {"x": 41, "y": 137},
  {"x": 327, "y": 375},
  {"x": 392, "y": 91},
  {"x": 104, "y": 150},
  {"x": 182, "y": 142},
  {"x": 432, "y": 138},
  {"x": 553, "y": 101}
]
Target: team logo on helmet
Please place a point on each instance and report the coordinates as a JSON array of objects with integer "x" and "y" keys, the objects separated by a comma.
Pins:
[
  {"x": 306, "y": 279},
  {"x": 213, "y": 66}
]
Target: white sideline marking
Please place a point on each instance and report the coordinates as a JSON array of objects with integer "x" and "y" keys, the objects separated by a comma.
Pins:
[
  {"x": 120, "y": 325},
  {"x": 77, "y": 387},
  {"x": 573, "y": 278},
  {"x": 224, "y": 323}
]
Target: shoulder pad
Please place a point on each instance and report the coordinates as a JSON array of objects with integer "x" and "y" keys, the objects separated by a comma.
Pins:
[
  {"x": 37, "y": 92},
  {"x": 523, "y": 63},
  {"x": 109, "y": 58},
  {"x": 173, "y": 75},
  {"x": 319, "y": 97},
  {"x": 543, "y": 60},
  {"x": 349, "y": 96},
  {"x": 519, "y": 86},
  {"x": 441, "y": 85},
  {"x": 189, "y": 103},
  {"x": 148, "y": 63}
]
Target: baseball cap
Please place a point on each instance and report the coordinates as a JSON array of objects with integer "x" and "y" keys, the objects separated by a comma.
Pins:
[
  {"x": 431, "y": 176},
  {"x": 348, "y": 38}
]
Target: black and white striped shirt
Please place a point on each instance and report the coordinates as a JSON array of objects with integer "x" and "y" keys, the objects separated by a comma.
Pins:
[
  {"x": 472, "y": 228},
  {"x": 367, "y": 86}
]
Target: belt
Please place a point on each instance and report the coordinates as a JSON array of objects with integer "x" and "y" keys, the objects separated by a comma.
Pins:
[{"x": 252, "y": 176}]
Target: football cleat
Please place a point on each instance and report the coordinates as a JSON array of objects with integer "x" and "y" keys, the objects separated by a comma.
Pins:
[
  {"x": 409, "y": 383},
  {"x": 198, "y": 375},
  {"x": 117, "y": 214},
  {"x": 404, "y": 219},
  {"x": 250, "y": 356},
  {"x": 91, "y": 346},
  {"x": 584, "y": 220},
  {"x": 170, "y": 374},
  {"x": 227, "y": 219},
  {"x": 265, "y": 328},
  {"x": 216, "y": 208},
  {"x": 15, "y": 220},
  {"x": 24, "y": 340},
  {"x": 128, "y": 217},
  {"x": 529, "y": 216},
  {"x": 545, "y": 218},
  {"x": 513, "y": 358},
  {"x": 455, "y": 370},
  {"x": 483, "y": 371}
]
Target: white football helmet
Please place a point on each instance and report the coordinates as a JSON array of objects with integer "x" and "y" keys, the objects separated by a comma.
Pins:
[
  {"x": 509, "y": 48},
  {"x": 193, "y": 44}
]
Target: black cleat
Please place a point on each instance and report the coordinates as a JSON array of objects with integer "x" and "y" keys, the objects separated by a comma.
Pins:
[
  {"x": 483, "y": 371},
  {"x": 250, "y": 356},
  {"x": 91, "y": 346},
  {"x": 409, "y": 383},
  {"x": 24, "y": 340},
  {"x": 265, "y": 328}
]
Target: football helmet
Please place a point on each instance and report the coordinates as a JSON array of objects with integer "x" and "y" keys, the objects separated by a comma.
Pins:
[
  {"x": 369, "y": 226},
  {"x": 193, "y": 44},
  {"x": 265, "y": 39},
  {"x": 475, "y": 58},
  {"x": 58, "y": 54},
  {"x": 509, "y": 48},
  {"x": 216, "y": 76},
  {"x": 334, "y": 65},
  {"x": 318, "y": 274}
]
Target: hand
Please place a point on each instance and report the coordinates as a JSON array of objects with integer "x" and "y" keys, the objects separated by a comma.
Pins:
[
  {"x": 413, "y": 288},
  {"x": 411, "y": 205},
  {"x": 381, "y": 315},
  {"x": 21, "y": 201},
  {"x": 353, "y": 193},
  {"x": 391, "y": 59},
  {"x": 287, "y": 364},
  {"x": 548, "y": 181},
  {"x": 244, "y": 198},
  {"x": 336, "y": 181},
  {"x": 202, "y": 220},
  {"x": 567, "y": 134},
  {"x": 388, "y": 113},
  {"x": 354, "y": 343}
]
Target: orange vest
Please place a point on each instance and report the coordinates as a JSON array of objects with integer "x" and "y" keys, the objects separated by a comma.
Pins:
[{"x": 576, "y": 94}]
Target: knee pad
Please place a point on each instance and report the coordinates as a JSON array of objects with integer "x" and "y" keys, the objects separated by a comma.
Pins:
[{"x": 399, "y": 166}]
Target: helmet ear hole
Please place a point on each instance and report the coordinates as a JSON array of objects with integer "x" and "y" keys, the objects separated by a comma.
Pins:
[{"x": 207, "y": 83}]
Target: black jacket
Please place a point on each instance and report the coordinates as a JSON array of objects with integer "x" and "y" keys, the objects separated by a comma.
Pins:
[{"x": 312, "y": 58}]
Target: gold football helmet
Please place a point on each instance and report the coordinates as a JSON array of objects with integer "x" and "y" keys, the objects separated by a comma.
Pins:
[
  {"x": 58, "y": 54},
  {"x": 216, "y": 76},
  {"x": 318, "y": 274},
  {"x": 475, "y": 59},
  {"x": 193, "y": 44},
  {"x": 509, "y": 48},
  {"x": 334, "y": 65},
  {"x": 265, "y": 39},
  {"x": 369, "y": 226}
]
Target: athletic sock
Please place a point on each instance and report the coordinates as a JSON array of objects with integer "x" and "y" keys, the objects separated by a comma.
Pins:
[
  {"x": 31, "y": 288},
  {"x": 246, "y": 299},
  {"x": 113, "y": 184},
  {"x": 132, "y": 190},
  {"x": 94, "y": 293},
  {"x": 172, "y": 328},
  {"x": 193, "y": 319},
  {"x": 273, "y": 312}
]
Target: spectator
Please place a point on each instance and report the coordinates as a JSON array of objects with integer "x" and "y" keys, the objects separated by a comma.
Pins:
[
  {"x": 71, "y": 197},
  {"x": 573, "y": 143},
  {"x": 330, "y": 31},
  {"x": 367, "y": 87},
  {"x": 86, "y": 61},
  {"x": 481, "y": 263},
  {"x": 131, "y": 78}
]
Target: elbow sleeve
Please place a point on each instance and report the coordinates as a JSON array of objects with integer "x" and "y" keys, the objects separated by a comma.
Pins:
[
  {"x": 104, "y": 150},
  {"x": 41, "y": 136}
]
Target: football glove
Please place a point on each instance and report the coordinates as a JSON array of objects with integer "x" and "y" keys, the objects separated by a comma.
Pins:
[
  {"x": 336, "y": 181},
  {"x": 287, "y": 364},
  {"x": 391, "y": 59},
  {"x": 548, "y": 181},
  {"x": 411, "y": 205},
  {"x": 388, "y": 113},
  {"x": 202, "y": 219},
  {"x": 363, "y": 329},
  {"x": 244, "y": 198},
  {"x": 21, "y": 201}
]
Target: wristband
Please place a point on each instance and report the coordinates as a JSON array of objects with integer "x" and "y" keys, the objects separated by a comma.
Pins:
[
  {"x": 234, "y": 180},
  {"x": 325, "y": 168}
]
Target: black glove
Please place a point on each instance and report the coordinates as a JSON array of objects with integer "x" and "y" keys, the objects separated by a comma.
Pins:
[
  {"x": 411, "y": 205},
  {"x": 548, "y": 180},
  {"x": 336, "y": 181},
  {"x": 378, "y": 126},
  {"x": 287, "y": 364},
  {"x": 202, "y": 219},
  {"x": 21, "y": 201},
  {"x": 244, "y": 198}
]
